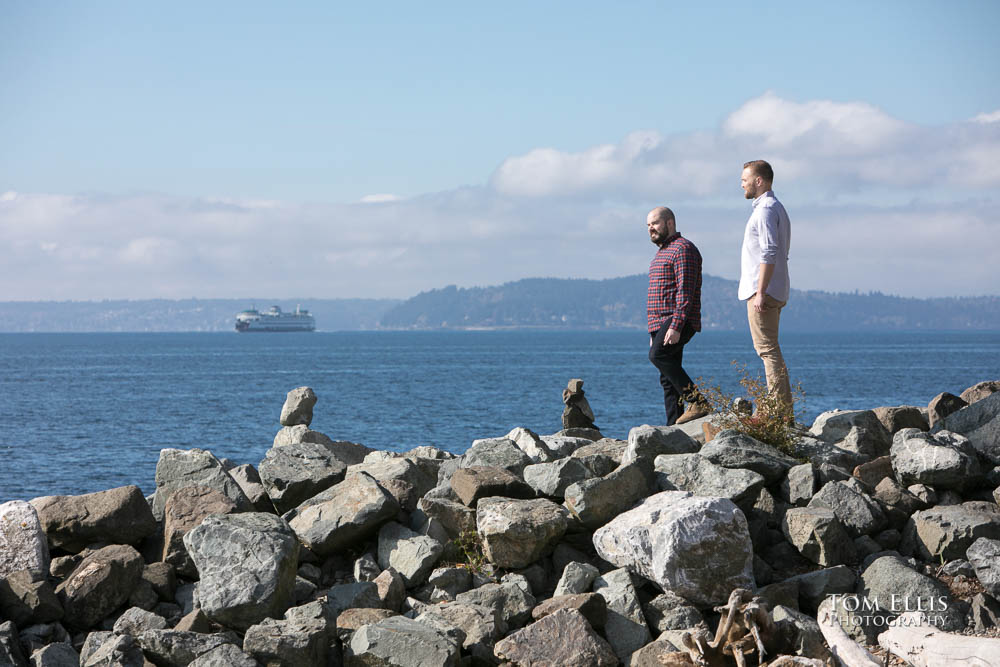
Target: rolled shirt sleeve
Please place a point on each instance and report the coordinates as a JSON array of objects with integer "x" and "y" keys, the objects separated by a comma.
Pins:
[{"x": 767, "y": 234}]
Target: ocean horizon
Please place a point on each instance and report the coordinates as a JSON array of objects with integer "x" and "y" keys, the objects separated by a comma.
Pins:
[{"x": 84, "y": 412}]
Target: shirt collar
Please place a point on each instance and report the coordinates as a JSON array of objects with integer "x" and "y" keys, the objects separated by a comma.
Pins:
[
  {"x": 756, "y": 201},
  {"x": 670, "y": 239}
]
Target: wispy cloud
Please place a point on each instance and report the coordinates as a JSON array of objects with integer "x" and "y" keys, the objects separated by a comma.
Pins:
[{"x": 876, "y": 203}]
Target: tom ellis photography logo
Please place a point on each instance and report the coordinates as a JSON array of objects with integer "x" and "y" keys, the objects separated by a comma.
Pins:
[{"x": 862, "y": 611}]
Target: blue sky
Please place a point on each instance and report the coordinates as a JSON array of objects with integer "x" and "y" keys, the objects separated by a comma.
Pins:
[{"x": 319, "y": 149}]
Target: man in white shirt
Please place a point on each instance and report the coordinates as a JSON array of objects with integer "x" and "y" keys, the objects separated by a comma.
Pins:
[{"x": 764, "y": 282}]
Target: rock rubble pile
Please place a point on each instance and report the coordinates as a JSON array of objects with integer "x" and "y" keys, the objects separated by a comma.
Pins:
[{"x": 563, "y": 549}]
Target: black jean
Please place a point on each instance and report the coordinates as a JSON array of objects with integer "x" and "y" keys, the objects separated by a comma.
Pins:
[{"x": 667, "y": 359}]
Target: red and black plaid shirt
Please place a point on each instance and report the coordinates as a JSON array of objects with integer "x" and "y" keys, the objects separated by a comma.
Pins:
[{"x": 674, "y": 286}]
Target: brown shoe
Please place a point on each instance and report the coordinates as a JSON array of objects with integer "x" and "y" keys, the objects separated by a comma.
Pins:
[{"x": 694, "y": 411}]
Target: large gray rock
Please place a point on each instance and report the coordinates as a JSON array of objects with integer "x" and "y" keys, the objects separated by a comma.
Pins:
[
  {"x": 178, "y": 468},
  {"x": 498, "y": 453},
  {"x": 10, "y": 647},
  {"x": 294, "y": 473},
  {"x": 818, "y": 535},
  {"x": 553, "y": 478},
  {"x": 980, "y": 423},
  {"x": 117, "y": 650},
  {"x": 942, "y": 459},
  {"x": 625, "y": 624},
  {"x": 941, "y": 406},
  {"x": 474, "y": 482},
  {"x": 116, "y": 516},
  {"x": 695, "y": 473},
  {"x": 22, "y": 541},
  {"x": 100, "y": 584},
  {"x": 695, "y": 546},
  {"x": 648, "y": 442},
  {"x": 858, "y": 512},
  {"x": 342, "y": 515},
  {"x": 135, "y": 621},
  {"x": 565, "y": 445},
  {"x": 802, "y": 633},
  {"x": 453, "y": 516},
  {"x": 576, "y": 578},
  {"x": 178, "y": 648},
  {"x": 946, "y": 531},
  {"x": 301, "y": 638},
  {"x": 28, "y": 601},
  {"x": 562, "y": 638},
  {"x": 476, "y": 623},
  {"x": 900, "y": 417},
  {"x": 531, "y": 444},
  {"x": 979, "y": 391},
  {"x": 895, "y": 588},
  {"x": 247, "y": 564},
  {"x": 669, "y": 611},
  {"x": 225, "y": 655},
  {"x": 185, "y": 509},
  {"x": 410, "y": 554},
  {"x": 298, "y": 407},
  {"x": 401, "y": 642},
  {"x": 835, "y": 425},
  {"x": 984, "y": 556},
  {"x": 800, "y": 484},
  {"x": 516, "y": 533},
  {"x": 820, "y": 452},
  {"x": 510, "y": 603},
  {"x": 731, "y": 449},
  {"x": 814, "y": 587},
  {"x": 57, "y": 654},
  {"x": 249, "y": 480},
  {"x": 353, "y": 595},
  {"x": 596, "y": 501},
  {"x": 406, "y": 478},
  {"x": 602, "y": 456}
]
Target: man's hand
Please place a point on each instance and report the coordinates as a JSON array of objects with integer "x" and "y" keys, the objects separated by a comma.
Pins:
[
  {"x": 758, "y": 302},
  {"x": 673, "y": 335}
]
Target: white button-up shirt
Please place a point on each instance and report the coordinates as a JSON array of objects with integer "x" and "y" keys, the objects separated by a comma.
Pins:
[{"x": 766, "y": 240}]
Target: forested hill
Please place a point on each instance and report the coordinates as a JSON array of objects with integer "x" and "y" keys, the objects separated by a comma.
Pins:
[{"x": 621, "y": 303}]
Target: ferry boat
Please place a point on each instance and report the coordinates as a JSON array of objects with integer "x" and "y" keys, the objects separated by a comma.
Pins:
[{"x": 273, "y": 319}]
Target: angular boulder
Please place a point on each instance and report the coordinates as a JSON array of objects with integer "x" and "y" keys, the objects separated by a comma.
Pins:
[
  {"x": 511, "y": 604},
  {"x": 561, "y": 638},
  {"x": 23, "y": 545},
  {"x": 294, "y": 473},
  {"x": 979, "y": 391},
  {"x": 101, "y": 583},
  {"x": 405, "y": 477},
  {"x": 625, "y": 624},
  {"x": 531, "y": 444},
  {"x": 516, "y": 533},
  {"x": 858, "y": 512},
  {"x": 697, "y": 474},
  {"x": 941, "y": 406},
  {"x": 301, "y": 638},
  {"x": 28, "y": 601},
  {"x": 498, "y": 453},
  {"x": 116, "y": 516},
  {"x": 695, "y": 546},
  {"x": 984, "y": 556},
  {"x": 185, "y": 509},
  {"x": 338, "y": 517},
  {"x": 553, "y": 478},
  {"x": 176, "y": 648},
  {"x": 896, "y": 588},
  {"x": 401, "y": 642},
  {"x": 731, "y": 449},
  {"x": 410, "y": 554},
  {"x": 178, "y": 468},
  {"x": 946, "y": 531},
  {"x": 596, "y": 501},
  {"x": 980, "y": 423},
  {"x": 247, "y": 564},
  {"x": 942, "y": 459},
  {"x": 818, "y": 535},
  {"x": 475, "y": 622},
  {"x": 835, "y": 425},
  {"x": 471, "y": 483},
  {"x": 298, "y": 407},
  {"x": 900, "y": 417},
  {"x": 648, "y": 442}
]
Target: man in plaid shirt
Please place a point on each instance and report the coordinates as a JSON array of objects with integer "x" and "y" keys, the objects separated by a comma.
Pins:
[{"x": 673, "y": 311}]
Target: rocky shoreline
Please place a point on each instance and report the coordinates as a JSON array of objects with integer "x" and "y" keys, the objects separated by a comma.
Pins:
[{"x": 563, "y": 549}]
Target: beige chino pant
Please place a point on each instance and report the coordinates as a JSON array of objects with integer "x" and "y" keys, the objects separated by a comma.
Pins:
[{"x": 764, "y": 331}]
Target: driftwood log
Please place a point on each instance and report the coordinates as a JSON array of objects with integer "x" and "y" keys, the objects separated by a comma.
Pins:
[
  {"x": 914, "y": 640},
  {"x": 846, "y": 651}
]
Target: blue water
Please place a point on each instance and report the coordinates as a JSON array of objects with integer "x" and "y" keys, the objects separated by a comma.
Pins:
[{"x": 86, "y": 412}]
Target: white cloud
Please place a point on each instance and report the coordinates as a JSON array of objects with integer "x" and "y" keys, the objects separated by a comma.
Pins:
[
  {"x": 993, "y": 117},
  {"x": 379, "y": 198},
  {"x": 896, "y": 207}
]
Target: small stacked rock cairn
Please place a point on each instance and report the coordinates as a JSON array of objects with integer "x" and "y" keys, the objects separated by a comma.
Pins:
[
  {"x": 577, "y": 413},
  {"x": 881, "y": 534}
]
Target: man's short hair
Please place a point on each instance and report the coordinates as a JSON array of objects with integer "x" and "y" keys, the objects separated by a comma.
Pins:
[
  {"x": 760, "y": 168},
  {"x": 663, "y": 213}
]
